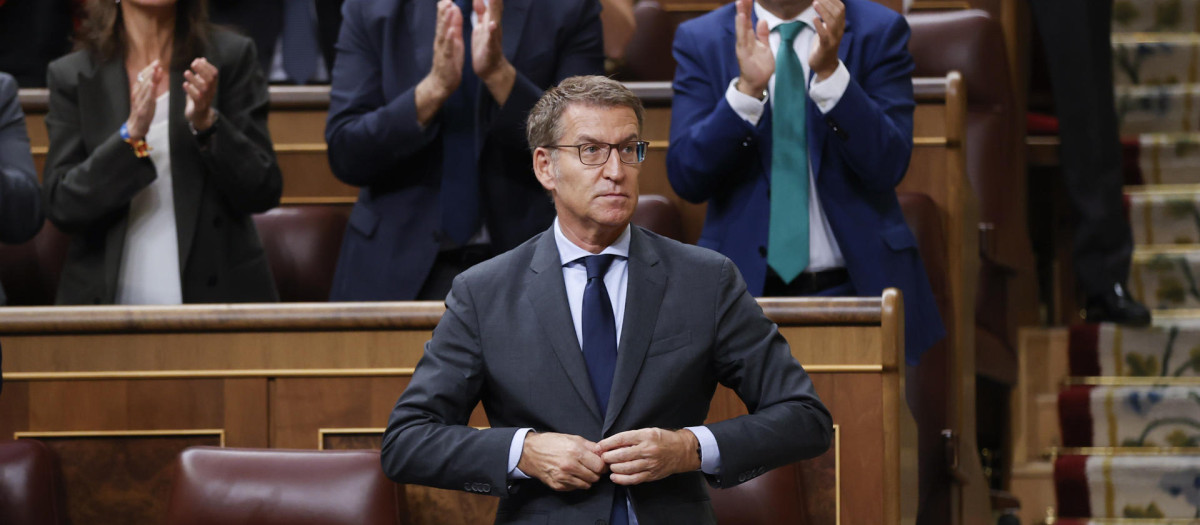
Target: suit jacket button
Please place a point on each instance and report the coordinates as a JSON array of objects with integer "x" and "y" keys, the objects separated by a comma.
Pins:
[
  {"x": 467, "y": 487},
  {"x": 762, "y": 250},
  {"x": 485, "y": 487}
]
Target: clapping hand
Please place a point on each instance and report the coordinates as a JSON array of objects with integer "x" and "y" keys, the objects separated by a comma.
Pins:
[
  {"x": 829, "y": 25},
  {"x": 142, "y": 101},
  {"x": 200, "y": 84},
  {"x": 755, "y": 60}
]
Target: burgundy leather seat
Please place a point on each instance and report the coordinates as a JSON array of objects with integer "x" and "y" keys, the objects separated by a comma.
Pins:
[
  {"x": 648, "y": 55},
  {"x": 972, "y": 42},
  {"x": 302, "y": 245},
  {"x": 230, "y": 486},
  {"x": 29, "y": 271},
  {"x": 30, "y": 484},
  {"x": 771, "y": 499},
  {"x": 659, "y": 215}
]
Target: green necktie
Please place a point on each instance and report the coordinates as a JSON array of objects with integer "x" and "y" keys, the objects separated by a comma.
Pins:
[{"x": 787, "y": 241}]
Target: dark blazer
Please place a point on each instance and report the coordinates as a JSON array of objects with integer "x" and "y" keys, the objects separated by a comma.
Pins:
[
  {"x": 91, "y": 176},
  {"x": 859, "y": 153},
  {"x": 507, "y": 340},
  {"x": 384, "y": 50}
]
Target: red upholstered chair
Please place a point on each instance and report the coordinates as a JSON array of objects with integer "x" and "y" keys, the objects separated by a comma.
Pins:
[
  {"x": 773, "y": 498},
  {"x": 648, "y": 55},
  {"x": 971, "y": 42},
  {"x": 659, "y": 215},
  {"x": 302, "y": 245},
  {"x": 30, "y": 484},
  {"x": 230, "y": 486},
  {"x": 29, "y": 271}
]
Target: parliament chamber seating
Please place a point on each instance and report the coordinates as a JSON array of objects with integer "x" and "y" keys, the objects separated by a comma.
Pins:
[
  {"x": 241, "y": 486},
  {"x": 302, "y": 245},
  {"x": 648, "y": 55},
  {"x": 30, "y": 484},
  {"x": 972, "y": 42},
  {"x": 770, "y": 499}
]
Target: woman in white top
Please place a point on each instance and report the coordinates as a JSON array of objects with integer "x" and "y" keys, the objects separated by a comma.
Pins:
[{"x": 159, "y": 154}]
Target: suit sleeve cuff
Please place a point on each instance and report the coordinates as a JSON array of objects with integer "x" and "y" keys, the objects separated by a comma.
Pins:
[
  {"x": 827, "y": 93},
  {"x": 746, "y": 106},
  {"x": 514, "y": 454},
  {"x": 710, "y": 455}
]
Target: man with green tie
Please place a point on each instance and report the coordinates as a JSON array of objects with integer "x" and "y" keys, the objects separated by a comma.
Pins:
[{"x": 792, "y": 119}]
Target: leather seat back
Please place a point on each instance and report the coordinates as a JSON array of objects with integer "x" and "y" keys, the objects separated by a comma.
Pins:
[{"x": 231, "y": 486}]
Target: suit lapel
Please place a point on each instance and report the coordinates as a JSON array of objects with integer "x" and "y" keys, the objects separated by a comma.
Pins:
[
  {"x": 104, "y": 96},
  {"x": 644, "y": 295},
  {"x": 546, "y": 294},
  {"x": 516, "y": 12},
  {"x": 186, "y": 179},
  {"x": 818, "y": 132}
]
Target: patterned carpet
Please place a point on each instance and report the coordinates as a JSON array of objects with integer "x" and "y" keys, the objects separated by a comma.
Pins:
[{"x": 1130, "y": 418}]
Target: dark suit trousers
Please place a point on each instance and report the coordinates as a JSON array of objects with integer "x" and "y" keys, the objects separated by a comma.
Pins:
[{"x": 1078, "y": 48}]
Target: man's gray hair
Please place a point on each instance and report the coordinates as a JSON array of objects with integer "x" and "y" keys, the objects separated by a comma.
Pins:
[{"x": 544, "y": 126}]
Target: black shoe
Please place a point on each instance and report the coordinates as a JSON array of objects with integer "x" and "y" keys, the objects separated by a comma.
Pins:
[{"x": 1116, "y": 306}]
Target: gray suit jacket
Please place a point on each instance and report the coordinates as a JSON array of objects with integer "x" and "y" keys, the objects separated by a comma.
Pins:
[
  {"x": 20, "y": 199},
  {"x": 507, "y": 340},
  {"x": 92, "y": 175}
]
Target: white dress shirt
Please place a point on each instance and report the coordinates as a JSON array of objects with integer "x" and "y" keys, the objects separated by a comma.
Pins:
[
  {"x": 823, "y": 249},
  {"x": 616, "y": 282},
  {"x": 149, "y": 271}
]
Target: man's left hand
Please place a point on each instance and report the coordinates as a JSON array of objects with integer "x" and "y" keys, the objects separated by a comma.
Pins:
[
  {"x": 487, "y": 50},
  {"x": 829, "y": 25},
  {"x": 649, "y": 454}
]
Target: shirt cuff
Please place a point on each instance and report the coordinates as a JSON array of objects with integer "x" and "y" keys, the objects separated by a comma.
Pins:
[
  {"x": 746, "y": 106},
  {"x": 710, "y": 455},
  {"x": 828, "y": 92},
  {"x": 514, "y": 454}
]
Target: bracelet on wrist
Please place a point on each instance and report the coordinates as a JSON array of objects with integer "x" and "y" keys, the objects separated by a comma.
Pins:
[{"x": 141, "y": 150}]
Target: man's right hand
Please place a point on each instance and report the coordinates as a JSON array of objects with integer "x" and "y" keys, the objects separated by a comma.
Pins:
[
  {"x": 561, "y": 461},
  {"x": 755, "y": 60},
  {"x": 448, "y": 54}
]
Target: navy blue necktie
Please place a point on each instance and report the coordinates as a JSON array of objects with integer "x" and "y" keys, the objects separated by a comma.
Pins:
[
  {"x": 460, "y": 165},
  {"x": 299, "y": 40},
  {"x": 600, "y": 350}
]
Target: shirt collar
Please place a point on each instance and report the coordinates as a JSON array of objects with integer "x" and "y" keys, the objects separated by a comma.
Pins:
[
  {"x": 807, "y": 16},
  {"x": 568, "y": 252}
]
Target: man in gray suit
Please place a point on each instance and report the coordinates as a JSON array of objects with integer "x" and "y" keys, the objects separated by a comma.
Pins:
[{"x": 596, "y": 348}]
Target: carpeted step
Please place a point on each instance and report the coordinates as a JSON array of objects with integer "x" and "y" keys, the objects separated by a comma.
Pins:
[
  {"x": 1130, "y": 416},
  {"x": 1176, "y": 16},
  {"x": 1155, "y": 59},
  {"x": 1164, "y": 215},
  {"x": 1128, "y": 486},
  {"x": 1169, "y": 108},
  {"x": 1169, "y": 351},
  {"x": 1166, "y": 277},
  {"x": 1162, "y": 159}
]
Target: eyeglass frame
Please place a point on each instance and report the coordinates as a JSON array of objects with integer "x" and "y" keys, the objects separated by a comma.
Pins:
[{"x": 642, "y": 146}]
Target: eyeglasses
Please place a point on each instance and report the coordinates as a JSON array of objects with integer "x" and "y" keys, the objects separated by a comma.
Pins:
[{"x": 596, "y": 153}]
